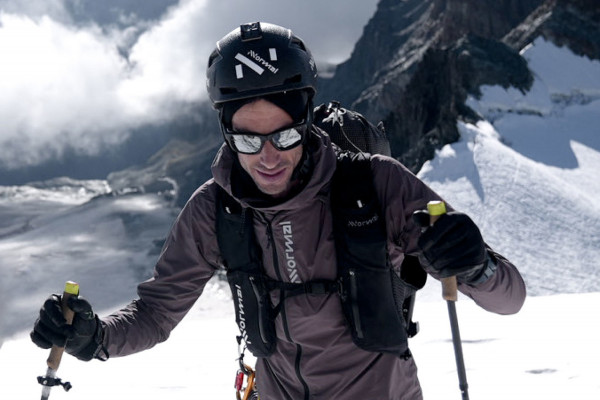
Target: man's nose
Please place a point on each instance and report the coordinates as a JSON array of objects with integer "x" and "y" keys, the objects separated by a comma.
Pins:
[{"x": 269, "y": 155}]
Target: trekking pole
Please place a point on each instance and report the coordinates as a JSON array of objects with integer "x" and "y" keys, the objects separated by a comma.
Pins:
[
  {"x": 53, "y": 361},
  {"x": 450, "y": 294}
]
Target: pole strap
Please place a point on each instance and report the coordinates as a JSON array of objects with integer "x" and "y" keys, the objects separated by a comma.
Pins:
[{"x": 51, "y": 382}]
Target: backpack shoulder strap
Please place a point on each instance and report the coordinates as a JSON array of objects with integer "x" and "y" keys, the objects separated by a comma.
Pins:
[
  {"x": 235, "y": 233},
  {"x": 243, "y": 259},
  {"x": 359, "y": 230},
  {"x": 352, "y": 185},
  {"x": 361, "y": 235}
]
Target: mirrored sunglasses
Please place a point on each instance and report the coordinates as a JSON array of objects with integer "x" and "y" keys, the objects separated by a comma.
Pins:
[{"x": 252, "y": 143}]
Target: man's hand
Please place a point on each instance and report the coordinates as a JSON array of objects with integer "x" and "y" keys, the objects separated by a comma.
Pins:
[
  {"x": 82, "y": 339},
  {"x": 453, "y": 246}
]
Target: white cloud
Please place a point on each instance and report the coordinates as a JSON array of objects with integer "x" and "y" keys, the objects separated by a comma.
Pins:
[
  {"x": 87, "y": 86},
  {"x": 169, "y": 62},
  {"x": 66, "y": 86},
  {"x": 58, "y": 84}
]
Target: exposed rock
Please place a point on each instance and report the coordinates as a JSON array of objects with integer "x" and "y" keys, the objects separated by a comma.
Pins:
[
  {"x": 178, "y": 168},
  {"x": 571, "y": 23},
  {"x": 424, "y": 115},
  {"x": 418, "y": 60}
]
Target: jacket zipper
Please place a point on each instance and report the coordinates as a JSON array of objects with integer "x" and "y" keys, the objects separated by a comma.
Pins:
[
  {"x": 354, "y": 300},
  {"x": 261, "y": 326},
  {"x": 271, "y": 242}
]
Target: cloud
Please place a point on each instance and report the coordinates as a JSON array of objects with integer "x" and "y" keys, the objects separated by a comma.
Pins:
[
  {"x": 58, "y": 85},
  {"x": 168, "y": 62},
  {"x": 85, "y": 87},
  {"x": 73, "y": 87}
]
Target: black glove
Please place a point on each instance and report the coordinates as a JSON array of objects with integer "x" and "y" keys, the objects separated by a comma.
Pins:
[
  {"x": 82, "y": 339},
  {"x": 453, "y": 246}
]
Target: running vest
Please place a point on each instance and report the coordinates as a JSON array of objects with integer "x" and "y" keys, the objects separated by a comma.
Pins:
[{"x": 377, "y": 303}]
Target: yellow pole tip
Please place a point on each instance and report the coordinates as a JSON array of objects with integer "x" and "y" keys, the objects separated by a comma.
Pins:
[
  {"x": 72, "y": 288},
  {"x": 436, "y": 208}
]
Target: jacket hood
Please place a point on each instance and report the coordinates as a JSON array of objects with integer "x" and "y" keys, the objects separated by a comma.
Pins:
[{"x": 321, "y": 154}]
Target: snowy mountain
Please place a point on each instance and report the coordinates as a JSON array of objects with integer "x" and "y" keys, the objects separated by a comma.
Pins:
[
  {"x": 418, "y": 61},
  {"x": 528, "y": 173},
  {"x": 78, "y": 229}
]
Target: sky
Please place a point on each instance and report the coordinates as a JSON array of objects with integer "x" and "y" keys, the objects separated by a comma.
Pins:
[
  {"x": 527, "y": 175},
  {"x": 77, "y": 76}
]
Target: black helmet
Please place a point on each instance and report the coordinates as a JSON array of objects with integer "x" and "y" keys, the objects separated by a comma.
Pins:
[{"x": 256, "y": 60}]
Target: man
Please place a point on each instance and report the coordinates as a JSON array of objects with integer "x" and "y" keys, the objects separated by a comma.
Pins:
[{"x": 278, "y": 167}]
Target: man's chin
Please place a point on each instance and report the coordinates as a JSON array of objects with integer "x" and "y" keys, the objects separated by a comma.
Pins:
[
  {"x": 274, "y": 190},
  {"x": 275, "y": 186}
]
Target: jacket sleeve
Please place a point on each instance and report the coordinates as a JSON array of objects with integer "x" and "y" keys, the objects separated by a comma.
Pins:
[
  {"x": 402, "y": 194},
  {"x": 503, "y": 293},
  {"x": 186, "y": 263}
]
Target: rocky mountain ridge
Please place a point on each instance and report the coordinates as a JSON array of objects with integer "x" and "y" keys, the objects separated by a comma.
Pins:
[{"x": 418, "y": 61}]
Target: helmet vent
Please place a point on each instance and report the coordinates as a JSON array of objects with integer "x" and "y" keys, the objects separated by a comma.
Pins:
[
  {"x": 228, "y": 90},
  {"x": 296, "y": 41},
  {"x": 211, "y": 59},
  {"x": 293, "y": 79}
]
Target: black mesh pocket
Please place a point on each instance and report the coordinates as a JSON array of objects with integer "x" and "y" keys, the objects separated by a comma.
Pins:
[
  {"x": 374, "y": 315},
  {"x": 253, "y": 311}
]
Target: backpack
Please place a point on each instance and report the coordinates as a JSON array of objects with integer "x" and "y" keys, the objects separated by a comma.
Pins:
[
  {"x": 350, "y": 130},
  {"x": 377, "y": 303}
]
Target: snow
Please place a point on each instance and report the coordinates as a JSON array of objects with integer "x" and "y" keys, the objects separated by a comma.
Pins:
[
  {"x": 89, "y": 237},
  {"x": 526, "y": 174},
  {"x": 548, "y": 351}
]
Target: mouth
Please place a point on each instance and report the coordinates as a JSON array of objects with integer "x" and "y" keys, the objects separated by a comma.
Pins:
[{"x": 271, "y": 175}]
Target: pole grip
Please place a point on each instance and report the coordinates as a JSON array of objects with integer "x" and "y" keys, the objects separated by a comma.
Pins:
[
  {"x": 449, "y": 285},
  {"x": 449, "y": 288},
  {"x": 71, "y": 289}
]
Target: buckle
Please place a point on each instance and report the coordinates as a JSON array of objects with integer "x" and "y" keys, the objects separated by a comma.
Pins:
[
  {"x": 323, "y": 287},
  {"x": 316, "y": 288}
]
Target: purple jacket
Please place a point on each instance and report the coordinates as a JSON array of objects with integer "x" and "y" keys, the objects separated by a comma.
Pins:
[{"x": 315, "y": 357}]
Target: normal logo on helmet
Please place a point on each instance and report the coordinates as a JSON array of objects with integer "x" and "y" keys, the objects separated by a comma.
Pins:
[{"x": 259, "y": 66}]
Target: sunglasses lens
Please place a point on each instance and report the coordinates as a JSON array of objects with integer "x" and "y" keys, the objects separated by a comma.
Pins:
[
  {"x": 248, "y": 144},
  {"x": 286, "y": 139}
]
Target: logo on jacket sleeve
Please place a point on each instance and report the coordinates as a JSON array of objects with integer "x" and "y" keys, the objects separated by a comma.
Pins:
[{"x": 290, "y": 260}]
